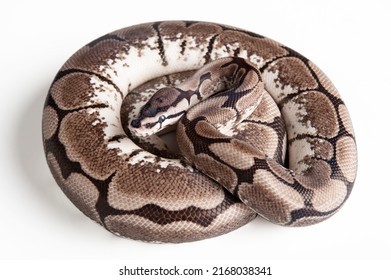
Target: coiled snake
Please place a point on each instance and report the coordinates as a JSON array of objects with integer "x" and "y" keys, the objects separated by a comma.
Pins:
[{"x": 136, "y": 187}]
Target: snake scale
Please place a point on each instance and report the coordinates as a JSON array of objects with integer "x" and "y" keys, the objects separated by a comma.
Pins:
[{"x": 261, "y": 131}]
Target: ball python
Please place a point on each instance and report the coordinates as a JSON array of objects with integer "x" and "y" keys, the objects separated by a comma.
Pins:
[{"x": 229, "y": 91}]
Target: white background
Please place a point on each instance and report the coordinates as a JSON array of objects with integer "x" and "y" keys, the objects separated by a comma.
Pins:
[{"x": 349, "y": 40}]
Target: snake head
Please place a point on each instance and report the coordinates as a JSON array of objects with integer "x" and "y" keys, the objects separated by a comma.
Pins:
[{"x": 164, "y": 108}]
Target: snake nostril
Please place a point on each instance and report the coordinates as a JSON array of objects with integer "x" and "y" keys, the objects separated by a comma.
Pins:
[{"x": 135, "y": 123}]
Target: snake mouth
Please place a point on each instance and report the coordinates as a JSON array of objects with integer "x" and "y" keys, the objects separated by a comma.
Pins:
[
  {"x": 143, "y": 130},
  {"x": 143, "y": 127}
]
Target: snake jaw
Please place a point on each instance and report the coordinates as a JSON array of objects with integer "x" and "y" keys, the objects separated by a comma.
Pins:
[
  {"x": 141, "y": 128},
  {"x": 144, "y": 127}
]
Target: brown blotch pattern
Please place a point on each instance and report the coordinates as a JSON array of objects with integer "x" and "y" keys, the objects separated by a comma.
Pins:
[
  {"x": 236, "y": 153},
  {"x": 319, "y": 112},
  {"x": 184, "y": 143},
  {"x": 93, "y": 57},
  {"x": 264, "y": 47},
  {"x": 251, "y": 81},
  {"x": 345, "y": 118},
  {"x": 322, "y": 149},
  {"x": 129, "y": 190},
  {"x": 139, "y": 228},
  {"x": 266, "y": 111},
  {"x": 280, "y": 171},
  {"x": 321, "y": 198},
  {"x": 293, "y": 72},
  {"x": 347, "y": 157},
  {"x": 72, "y": 91},
  {"x": 88, "y": 146},
  {"x": 206, "y": 129},
  {"x": 306, "y": 221},
  {"x": 262, "y": 137},
  {"x": 249, "y": 101},
  {"x": 216, "y": 170},
  {"x": 316, "y": 176},
  {"x": 209, "y": 111},
  {"x": 49, "y": 122},
  {"x": 80, "y": 190},
  {"x": 270, "y": 197},
  {"x": 201, "y": 32},
  {"x": 85, "y": 197},
  {"x": 137, "y": 34},
  {"x": 324, "y": 80}
]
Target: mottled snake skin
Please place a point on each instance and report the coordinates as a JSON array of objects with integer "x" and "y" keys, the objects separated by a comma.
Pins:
[{"x": 137, "y": 190}]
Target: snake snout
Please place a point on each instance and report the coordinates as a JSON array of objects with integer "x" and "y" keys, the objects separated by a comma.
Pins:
[{"x": 136, "y": 123}]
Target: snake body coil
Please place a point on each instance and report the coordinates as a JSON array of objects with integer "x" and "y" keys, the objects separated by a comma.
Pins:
[{"x": 239, "y": 99}]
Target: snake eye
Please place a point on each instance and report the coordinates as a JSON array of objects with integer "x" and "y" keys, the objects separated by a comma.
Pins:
[{"x": 162, "y": 118}]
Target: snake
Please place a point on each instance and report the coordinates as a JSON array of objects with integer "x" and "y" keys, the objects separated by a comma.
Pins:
[{"x": 260, "y": 130}]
